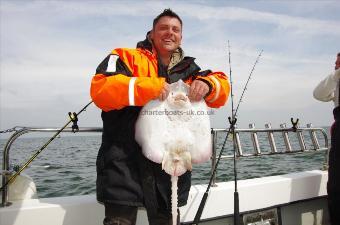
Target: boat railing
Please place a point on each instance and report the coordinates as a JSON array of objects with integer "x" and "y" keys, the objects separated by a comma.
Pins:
[
  {"x": 257, "y": 148},
  {"x": 19, "y": 131},
  {"x": 269, "y": 139}
]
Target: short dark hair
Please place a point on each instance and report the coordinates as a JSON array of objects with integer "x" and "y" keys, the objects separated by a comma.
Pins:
[
  {"x": 166, "y": 12},
  {"x": 338, "y": 54}
]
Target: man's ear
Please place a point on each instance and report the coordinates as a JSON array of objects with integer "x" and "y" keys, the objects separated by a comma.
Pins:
[{"x": 151, "y": 35}]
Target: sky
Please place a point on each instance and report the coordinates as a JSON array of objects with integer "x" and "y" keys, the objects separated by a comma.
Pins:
[{"x": 49, "y": 51}]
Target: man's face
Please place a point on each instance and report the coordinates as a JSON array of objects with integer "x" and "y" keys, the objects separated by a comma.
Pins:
[
  {"x": 337, "y": 63},
  {"x": 167, "y": 35}
]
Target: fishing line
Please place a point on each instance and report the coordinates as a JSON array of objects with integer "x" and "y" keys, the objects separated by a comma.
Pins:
[
  {"x": 231, "y": 127},
  {"x": 73, "y": 118}
]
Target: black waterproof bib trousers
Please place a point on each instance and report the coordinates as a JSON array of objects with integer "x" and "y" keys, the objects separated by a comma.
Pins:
[{"x": 333, "y": 185}]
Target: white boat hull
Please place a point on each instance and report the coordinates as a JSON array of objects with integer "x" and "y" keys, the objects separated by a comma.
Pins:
[{"x": 300, "y": 198}]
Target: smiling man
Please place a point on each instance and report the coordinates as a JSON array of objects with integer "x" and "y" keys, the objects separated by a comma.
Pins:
[{"x": 125, "y": 81}]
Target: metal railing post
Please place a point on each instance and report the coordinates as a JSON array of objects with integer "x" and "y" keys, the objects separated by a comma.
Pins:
[
  {"x": 238, "y": 144},
  {"x": 286, "y": 138},
  {"x": 255, "y": 140},
  {"x": 271, "y": 138},
  {"x": 301, "y": 139},
  {"x": 313, "y": 137}
]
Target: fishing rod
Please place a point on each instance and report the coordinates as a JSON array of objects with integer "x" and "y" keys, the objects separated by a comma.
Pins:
[
  {"x": 232, "y": 124},
  {"x": 73, "y": 118}
]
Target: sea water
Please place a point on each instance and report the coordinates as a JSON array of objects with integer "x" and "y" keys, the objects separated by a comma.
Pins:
[{"x": 68, "y": 165}]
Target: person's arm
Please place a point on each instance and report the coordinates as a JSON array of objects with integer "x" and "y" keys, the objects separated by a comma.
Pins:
[
  {"x": 324, "y": 91},
  {"x": 219, "y": 88},
  {"x": 117, "y": 83}
]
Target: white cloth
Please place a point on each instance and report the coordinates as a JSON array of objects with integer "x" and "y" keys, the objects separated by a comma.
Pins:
[{"x": 328, "y": 89}]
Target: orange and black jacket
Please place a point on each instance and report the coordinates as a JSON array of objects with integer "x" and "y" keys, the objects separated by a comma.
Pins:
[{"x": 125, "y": 81}]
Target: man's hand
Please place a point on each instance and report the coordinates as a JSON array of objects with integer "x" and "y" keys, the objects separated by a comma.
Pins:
[
  {"x": 198, "y": 90},
  {"x": 164, "y": 92}
]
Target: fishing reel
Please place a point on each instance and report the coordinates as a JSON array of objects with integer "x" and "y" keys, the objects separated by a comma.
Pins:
[{"x": 74, "y": 118}]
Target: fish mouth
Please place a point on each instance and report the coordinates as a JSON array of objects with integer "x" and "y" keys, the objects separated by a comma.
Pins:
[{"x": 181, "y": 99}]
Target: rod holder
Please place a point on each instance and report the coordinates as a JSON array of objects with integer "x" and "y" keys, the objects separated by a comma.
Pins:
[{"x": 213, "y": 157}]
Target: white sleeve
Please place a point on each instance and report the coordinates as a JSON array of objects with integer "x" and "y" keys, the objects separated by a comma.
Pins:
[{"x": 324, "y": 91}]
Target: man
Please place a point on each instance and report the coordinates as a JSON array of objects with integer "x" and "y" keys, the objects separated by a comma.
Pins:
[
  {"x": 327, "y": 90},
  {"x": 125, "y": 81}
]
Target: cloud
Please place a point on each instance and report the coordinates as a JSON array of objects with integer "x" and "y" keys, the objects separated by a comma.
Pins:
[
  {"x": 201, "y": 11},
  {"x": 300, "y": 25},
  {"x": 50, "y": 49}
]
